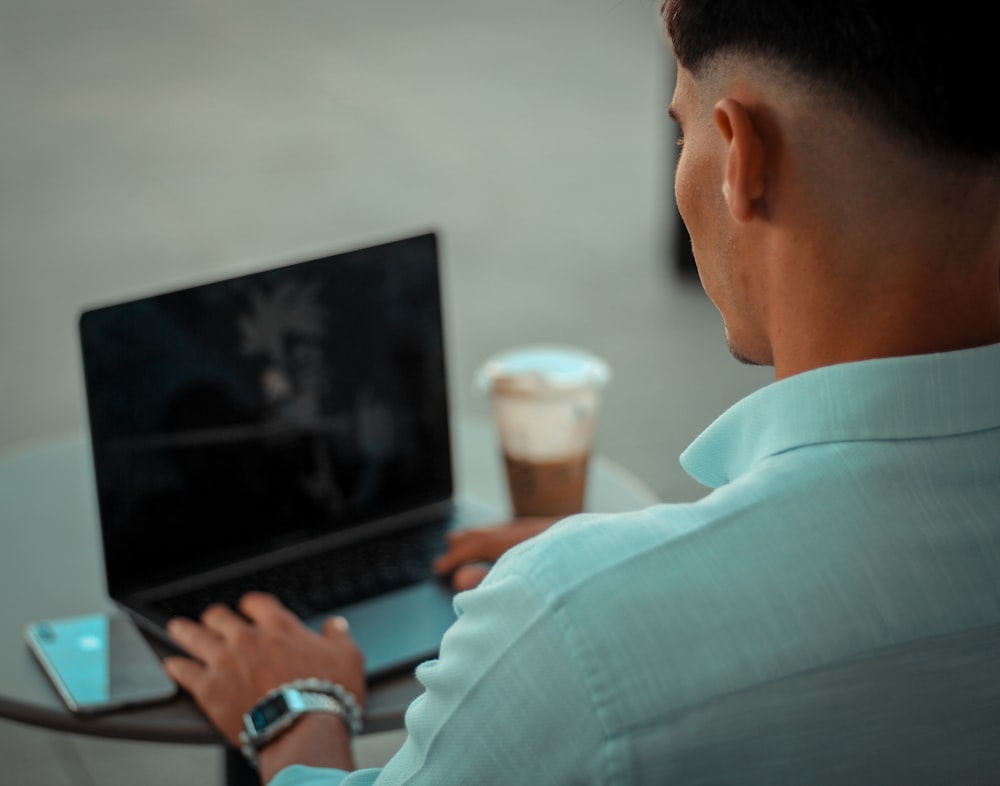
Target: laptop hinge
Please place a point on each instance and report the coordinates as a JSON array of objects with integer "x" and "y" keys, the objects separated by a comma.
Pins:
[{"x": 434, "y": 512}]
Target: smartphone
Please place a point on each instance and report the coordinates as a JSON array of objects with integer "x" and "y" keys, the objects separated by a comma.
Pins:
[{"x": 99, "y": 662}]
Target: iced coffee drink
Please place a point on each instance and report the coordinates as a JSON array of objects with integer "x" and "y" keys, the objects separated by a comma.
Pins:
[{"x": 545, "y": 401}]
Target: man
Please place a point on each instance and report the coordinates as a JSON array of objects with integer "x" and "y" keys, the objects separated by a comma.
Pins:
[{"x": 840, "y": 179}]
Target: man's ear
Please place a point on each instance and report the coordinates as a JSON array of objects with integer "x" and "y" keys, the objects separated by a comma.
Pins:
[{"x": 744, "y": 183}]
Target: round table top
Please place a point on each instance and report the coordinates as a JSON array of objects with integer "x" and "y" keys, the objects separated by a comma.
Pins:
[{"x": 52, "y": 568}]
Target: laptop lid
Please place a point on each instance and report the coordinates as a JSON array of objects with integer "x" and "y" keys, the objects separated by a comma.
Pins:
[{"x": 266, "y": 412}]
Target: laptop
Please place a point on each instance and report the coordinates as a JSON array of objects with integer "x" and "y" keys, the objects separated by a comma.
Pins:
[{"x": 285, "y": 431}]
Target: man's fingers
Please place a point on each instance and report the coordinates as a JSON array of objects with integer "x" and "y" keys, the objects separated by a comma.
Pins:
[
  {"x": 460, "y": 550},
  {"x": 469, "y": 576},
  {"x": 336, "y": 626},
  {"x": 487, "y": 544},
  {"x": 265, "y": 609},
  {"x": 194, "y": 638},
  {"x": 208, "y": 693},
  {"x": 185, "y": 672},
  {"x": 222, "y": 620},
  {"x": 473, "y": 545},
  {"x": 337, "y": 631}
]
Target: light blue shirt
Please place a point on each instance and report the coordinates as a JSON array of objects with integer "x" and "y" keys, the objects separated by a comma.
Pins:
[{"x": 854, "y": 507}]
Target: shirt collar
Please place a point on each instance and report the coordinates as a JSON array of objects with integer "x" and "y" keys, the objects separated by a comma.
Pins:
[{"x": 910, "y": 397}]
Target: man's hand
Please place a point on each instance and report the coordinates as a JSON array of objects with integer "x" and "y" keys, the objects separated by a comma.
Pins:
[
  {"x": 470, "y": 551},
  {"x": 235, "y": 662}
]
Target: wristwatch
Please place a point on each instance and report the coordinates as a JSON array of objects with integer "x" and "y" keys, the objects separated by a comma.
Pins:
[{"x": 278, "y": 710}]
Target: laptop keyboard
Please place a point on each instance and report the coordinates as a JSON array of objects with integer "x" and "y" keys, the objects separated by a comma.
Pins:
[{"x": 318, "y": 583}]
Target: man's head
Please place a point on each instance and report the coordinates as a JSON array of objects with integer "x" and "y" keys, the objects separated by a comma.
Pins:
[
  {"x": 924, "y": 70},
  {"x": 839, "y": 171}
]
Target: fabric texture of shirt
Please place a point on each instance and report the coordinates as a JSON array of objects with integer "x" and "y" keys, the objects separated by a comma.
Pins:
[{"x": 853, "y": 507}]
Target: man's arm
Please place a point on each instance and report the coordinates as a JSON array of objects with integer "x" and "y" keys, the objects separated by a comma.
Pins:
[
  {"x": 506, "y": 702},
  {"x": 316, "y": 740},
  {"x": 237, "y": 661}
]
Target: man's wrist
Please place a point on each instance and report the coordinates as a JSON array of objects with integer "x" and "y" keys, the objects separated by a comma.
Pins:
[
  {"x": 316, "y": 740},
  {"x": 285, "y": 706}
]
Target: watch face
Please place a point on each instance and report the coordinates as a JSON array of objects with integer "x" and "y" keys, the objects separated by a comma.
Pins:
[{"x": 263, "y": 715}]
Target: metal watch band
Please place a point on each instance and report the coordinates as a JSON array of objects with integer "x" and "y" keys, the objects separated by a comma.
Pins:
[
  {"x": 279, "y": 710},
  {"x": 340, "y": 693}
]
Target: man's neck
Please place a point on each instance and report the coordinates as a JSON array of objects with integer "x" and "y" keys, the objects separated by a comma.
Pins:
[{"x": 911, "y": 319}]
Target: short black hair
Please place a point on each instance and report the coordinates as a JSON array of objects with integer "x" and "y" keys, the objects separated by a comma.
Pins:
[{"x": 921, "y": 69}]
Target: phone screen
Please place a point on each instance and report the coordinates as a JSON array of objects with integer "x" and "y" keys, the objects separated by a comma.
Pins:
[{"x": 99, "y": 662}]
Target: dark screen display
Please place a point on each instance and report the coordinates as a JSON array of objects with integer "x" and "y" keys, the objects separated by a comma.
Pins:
[
  {"x": 267, "y": 713},
  {"x": 244, "y": 415}
]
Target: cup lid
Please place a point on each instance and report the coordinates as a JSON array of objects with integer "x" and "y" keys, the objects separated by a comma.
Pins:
[{"x": 543, "y": 367}]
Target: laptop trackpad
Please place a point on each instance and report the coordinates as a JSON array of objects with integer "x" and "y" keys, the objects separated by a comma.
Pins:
[{"x": 398, "y": 630}]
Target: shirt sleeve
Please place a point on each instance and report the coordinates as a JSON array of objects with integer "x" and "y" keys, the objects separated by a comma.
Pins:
[
  {"x": 507, "y": 701},
  {"x": 299, "y": 775}
]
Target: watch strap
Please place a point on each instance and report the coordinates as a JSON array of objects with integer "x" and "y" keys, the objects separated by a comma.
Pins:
[
  {"x": 354, "y": 713},
  {"x": 278, "y": 711}
]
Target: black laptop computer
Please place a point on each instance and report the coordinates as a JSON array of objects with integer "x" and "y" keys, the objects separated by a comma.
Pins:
[{"x": 285, "y": 431}]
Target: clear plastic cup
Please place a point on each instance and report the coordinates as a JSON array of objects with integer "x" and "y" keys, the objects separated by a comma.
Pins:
[{"x": 545, "y": 402}]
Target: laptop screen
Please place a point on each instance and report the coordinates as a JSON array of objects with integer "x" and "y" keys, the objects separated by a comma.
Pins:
[{"x": 243, "y": 416}]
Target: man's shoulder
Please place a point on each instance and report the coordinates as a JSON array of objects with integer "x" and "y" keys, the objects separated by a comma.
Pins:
[
  {"x": 589, "y": 548},
  {"x": 752, "y": 583}
]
